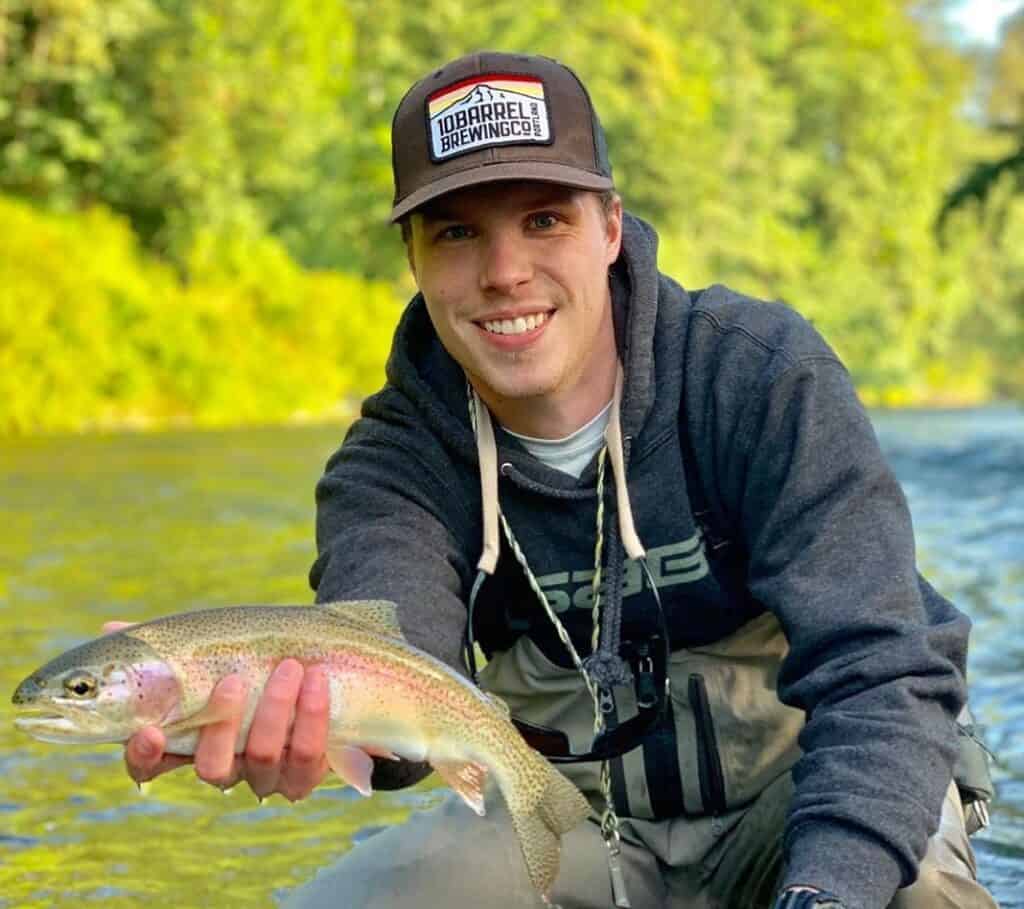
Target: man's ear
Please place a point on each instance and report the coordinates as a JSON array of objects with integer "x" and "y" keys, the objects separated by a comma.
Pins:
[{"x": 613, "y": 230}]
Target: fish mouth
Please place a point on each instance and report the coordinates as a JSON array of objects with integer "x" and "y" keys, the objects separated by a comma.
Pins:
[
  {"x": 43, "y": 720},
  {"x": 47, "y": 725}
]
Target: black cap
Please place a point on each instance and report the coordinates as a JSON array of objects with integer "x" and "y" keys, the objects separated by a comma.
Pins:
[{"x": 491, "y": 116}]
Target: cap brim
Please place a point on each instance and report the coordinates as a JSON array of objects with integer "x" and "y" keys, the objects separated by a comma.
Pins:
[{"x": 541, "y": 171}]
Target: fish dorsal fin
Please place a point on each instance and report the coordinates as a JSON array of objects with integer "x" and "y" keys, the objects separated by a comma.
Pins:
[{"x": 379, "y": 616}]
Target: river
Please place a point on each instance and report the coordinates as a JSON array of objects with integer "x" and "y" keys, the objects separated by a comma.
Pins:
[{"x": 132, "y": 526}]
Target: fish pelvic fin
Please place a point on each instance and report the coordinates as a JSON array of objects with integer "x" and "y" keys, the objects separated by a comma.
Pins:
[
  {"x": 467, "y": 778},
  {"x": 379, "y": 616},
  {"x": 540, "y": 831},
  {"x": 352, "y": 765}
]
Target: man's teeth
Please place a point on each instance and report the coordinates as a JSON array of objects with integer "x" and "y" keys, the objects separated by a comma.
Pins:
[{"x": 516, "y": 326}]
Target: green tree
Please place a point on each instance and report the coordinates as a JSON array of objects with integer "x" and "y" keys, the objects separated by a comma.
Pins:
[
  {"x": 177, "y": 113},
  {"x": 1005, "y": 114}
]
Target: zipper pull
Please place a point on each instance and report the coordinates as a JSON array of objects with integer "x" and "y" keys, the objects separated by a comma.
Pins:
[{"x": 619, "y": 895}]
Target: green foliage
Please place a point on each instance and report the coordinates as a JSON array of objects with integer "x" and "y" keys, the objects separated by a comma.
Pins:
[
  {"x": 92, "y": 332},
  {"x": 988, "y": 202},
  {"x": 799, "y": 149},
  {"x": 180, "y": 114}
]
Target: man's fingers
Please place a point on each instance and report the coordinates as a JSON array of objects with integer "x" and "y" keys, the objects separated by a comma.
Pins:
[
  {"x": 108, "y": 627},
  {"x": 167, "y": 763},
  {"x": 268, "y": 734},
  {"x": 309, "y": 735},
  {"x": 215, "y": 753},
  {"x": 296, "y": 784},
  {"x": 305, "y": 764},
  {"x": 144, "y": 755}
]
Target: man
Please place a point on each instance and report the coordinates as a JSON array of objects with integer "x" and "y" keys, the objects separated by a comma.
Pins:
[{"x": 606, "y": 468}]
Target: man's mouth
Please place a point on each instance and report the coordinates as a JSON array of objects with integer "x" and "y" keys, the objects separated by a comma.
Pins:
[{"x": 517, "y": 326}]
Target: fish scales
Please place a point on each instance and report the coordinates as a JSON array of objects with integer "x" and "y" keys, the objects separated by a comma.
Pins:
[{"x": 385, "y": 696}]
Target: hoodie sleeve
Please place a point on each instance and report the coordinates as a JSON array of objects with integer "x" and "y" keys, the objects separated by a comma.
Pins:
[
  {"x": 383, "y": 530},
  {"x": 876, "y": 658}
]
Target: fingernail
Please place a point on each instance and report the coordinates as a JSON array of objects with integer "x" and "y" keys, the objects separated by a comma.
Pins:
[{"x": 288, "y": 670}]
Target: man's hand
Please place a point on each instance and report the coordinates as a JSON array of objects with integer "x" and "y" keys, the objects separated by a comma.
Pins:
[{"x": 274, "y": 761}]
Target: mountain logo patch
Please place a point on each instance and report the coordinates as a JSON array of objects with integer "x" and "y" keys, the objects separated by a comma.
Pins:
[{"x": 487, "y": 110}]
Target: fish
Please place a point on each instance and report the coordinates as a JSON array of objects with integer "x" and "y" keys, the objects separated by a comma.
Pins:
[{"x": 387, "y": 698}]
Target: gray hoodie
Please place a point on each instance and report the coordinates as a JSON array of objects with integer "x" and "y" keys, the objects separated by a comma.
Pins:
[{"x": 756, "y": 484}]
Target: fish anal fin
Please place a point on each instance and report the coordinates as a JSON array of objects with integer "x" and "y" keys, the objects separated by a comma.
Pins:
[
  {"x": 467, "y": 778},
  {"x": 353, "y": 765},
  {"x": 380, "y": 616}
]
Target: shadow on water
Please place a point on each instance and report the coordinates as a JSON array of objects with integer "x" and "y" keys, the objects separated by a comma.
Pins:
[{"x": 136, "y": 526}]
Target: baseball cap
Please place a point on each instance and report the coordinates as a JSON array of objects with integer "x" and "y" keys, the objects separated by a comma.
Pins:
[{"x": 493, "y": 116}]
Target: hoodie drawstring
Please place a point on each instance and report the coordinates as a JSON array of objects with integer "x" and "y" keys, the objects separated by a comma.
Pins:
[{"x": 604, "y": 667}]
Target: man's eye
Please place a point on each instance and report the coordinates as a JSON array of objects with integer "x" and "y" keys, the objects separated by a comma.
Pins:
[
  {"x": 543, "y": 220},
  {"x": 454, "y": 232}
]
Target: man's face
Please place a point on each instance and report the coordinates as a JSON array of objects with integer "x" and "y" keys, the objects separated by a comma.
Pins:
[{"x": 515, "y": 277}]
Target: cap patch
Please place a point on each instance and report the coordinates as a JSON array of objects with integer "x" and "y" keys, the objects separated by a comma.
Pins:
[{"x": 487, "y": 110}]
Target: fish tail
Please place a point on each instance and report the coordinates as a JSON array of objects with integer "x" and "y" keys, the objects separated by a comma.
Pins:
[{"x": 540, "y": 830}]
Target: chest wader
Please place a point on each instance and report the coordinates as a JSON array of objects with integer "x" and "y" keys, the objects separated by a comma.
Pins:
[{"x": 734, "y": 736}]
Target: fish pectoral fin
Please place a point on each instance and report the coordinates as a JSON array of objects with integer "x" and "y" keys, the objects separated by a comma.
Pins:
[
  {"x": 467, "y": 778},
  {"x": 211, "y": 713},
  {"x": 353, "y": 765}
]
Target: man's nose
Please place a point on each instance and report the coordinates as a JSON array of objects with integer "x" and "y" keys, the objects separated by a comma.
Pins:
[{"x": 506, "y": 262}]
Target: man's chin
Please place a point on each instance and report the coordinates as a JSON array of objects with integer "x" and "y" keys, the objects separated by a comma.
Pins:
[{"x": 496, "y": 389}]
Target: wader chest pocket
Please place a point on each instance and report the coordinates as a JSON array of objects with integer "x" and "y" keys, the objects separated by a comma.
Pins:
[
  {"x": 709, "y": 764},
  {"x": 733, "y": 735}
]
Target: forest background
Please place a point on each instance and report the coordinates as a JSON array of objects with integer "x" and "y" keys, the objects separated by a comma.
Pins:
[{"x": 194, "y": 193}]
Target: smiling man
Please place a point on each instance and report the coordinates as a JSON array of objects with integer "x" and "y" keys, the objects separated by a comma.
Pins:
[{"x": 662, "y": 509}]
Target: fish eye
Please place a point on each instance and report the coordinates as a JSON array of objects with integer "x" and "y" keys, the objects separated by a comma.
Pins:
[{"x": 80, "y": 685}]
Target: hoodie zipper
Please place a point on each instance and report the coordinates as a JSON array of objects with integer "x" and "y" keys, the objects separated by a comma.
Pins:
[{"x": 709, "y": 764}]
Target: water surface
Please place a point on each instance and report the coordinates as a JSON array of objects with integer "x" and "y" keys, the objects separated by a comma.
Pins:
[{"x": 135, "y": 526}]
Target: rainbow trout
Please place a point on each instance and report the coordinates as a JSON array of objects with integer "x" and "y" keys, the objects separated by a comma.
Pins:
[{"x": 387, "y": 698}]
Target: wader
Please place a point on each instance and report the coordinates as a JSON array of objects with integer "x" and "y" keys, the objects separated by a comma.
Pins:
[{"x": 737, "y": 743}]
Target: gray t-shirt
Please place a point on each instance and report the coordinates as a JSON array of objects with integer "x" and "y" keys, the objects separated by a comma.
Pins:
[{"x": 574, "y": 452}]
